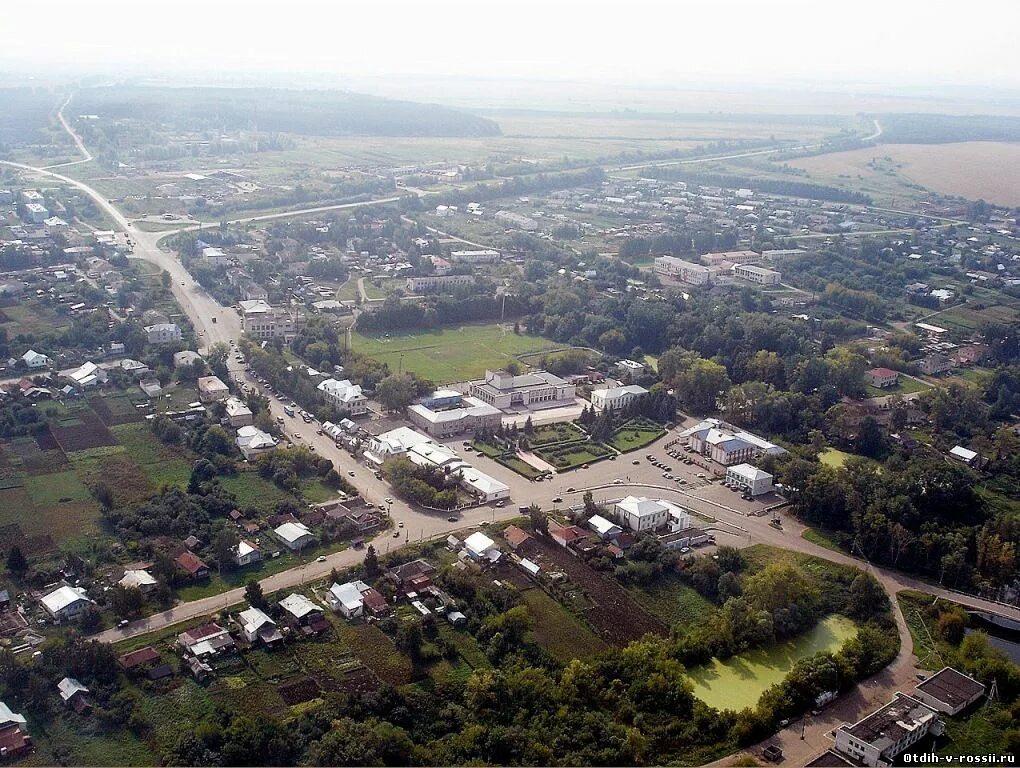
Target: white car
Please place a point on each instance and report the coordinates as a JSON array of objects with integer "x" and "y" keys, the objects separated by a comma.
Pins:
[
  {"x": 618, "y": 481},
  {"x": 320, "y": 559}
]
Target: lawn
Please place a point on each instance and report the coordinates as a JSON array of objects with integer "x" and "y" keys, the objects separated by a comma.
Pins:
[
  {"x": 904, "y": 386},
  {"x": 450, "y": 354},
  {"x": 635, "y": 434},
  {"x": 833, "y": 457},
  {"x": 673, "y": 602},
  {"x": 822, "y": 539},
  {"x": 559, "y": 631},
  {"x": 519, "y": 466},
  {"x": 560, "y": 432},
  {"x": 254, "y": 492},
  {"x": 573, "y": 455}
]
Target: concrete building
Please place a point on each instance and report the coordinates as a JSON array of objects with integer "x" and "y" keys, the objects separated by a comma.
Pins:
[
  {"x": 933, "y": 365},
  {"x": 685, "y": 271},
  {"x": 186, "y": 357},
  {"x": 639, "y": 513},
  {"x": 262, "y": 321},
  {"x": 215, "y": 256},
  {"x": 431, "y": 283},
  {"x": 484, "y": 256},
  {"x": 727, "y": 444},
  {"x": 751, "y": 479},
  {"x": 949, "y": 691},
  {"x": 36, "y": 213},
  {"x": 613, "y": 398},
  {"x": 484, "y": 487},
  {"x": 781, "y": 253},
  {"x": 729, "y": 257},
  {"x": 881, "y": 377},
  {"x": 344, "y": 395},
  {"x": 252, "y": 442},
  {"x": 162, "y": 333},
  {"x": 211, "y": 389},
  {"x": 965, "y": 455},
  {"x": 446, "y": 413},
  {"x": 530, "y": 391},
  {"x": 238, "y": 414},
  {"x": 632, "y": 367},
  {"x": 759, "y": 275},
  {"x": 511, "y": 219},
  {"x": 886, "y": 733}
]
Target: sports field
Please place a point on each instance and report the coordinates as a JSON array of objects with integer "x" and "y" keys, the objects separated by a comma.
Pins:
[{"x": 451, "y": 354}]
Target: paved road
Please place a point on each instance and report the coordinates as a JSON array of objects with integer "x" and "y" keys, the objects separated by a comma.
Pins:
[{"x": 86, "y": 156}]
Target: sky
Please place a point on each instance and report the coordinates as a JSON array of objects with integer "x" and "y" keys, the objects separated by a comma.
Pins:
[{"x": 812, "y": 43}]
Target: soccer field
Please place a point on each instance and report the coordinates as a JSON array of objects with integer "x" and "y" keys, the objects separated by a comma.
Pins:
[{"x": 451, "y": 354}]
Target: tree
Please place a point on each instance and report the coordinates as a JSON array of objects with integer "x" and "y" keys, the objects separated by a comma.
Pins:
[
  {"x": 701, "y": 384},
  {"x": 395, "y": 392},
  {"x": 372, "y": 569},
  {"x": 224, "y": 547},
  {"x": 17, "y": 563},
  {"x": 126, "y": 602},
  {"x": 539, "y": 519},
  {"x": 253, "y": 594}
]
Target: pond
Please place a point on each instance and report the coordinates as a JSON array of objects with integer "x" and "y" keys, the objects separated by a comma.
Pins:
[{"x": 740, "y": 681}]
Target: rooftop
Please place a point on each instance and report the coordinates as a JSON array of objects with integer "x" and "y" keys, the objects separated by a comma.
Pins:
[
  {"x": 892, "y": 722},
  {"x": 951, "y": 687}
]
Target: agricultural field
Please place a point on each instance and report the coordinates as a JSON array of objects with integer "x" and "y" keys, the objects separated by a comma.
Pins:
[
  {"x": 559, "y": 631},
  {"x": 673, "y": 602},
  {"x": 975, "y": 170},
  {"x": 450, "y": 354},
  {"x": 29, "y": 316},
  {"x": 613, "y": 615}
]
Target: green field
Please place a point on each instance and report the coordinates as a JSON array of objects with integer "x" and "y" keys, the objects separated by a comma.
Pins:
[
  {"x": 674, "y": 602},
  {"x": 558, "y": 631},
  {"x": 573, "y": 455},
  {"x": 560, "y": 432},
  {"x": 833, "y": 457},
  {"x": 904, "y": 386},
  {"x": 635, "y": 434},
  {"x": 450, "y": 354}
]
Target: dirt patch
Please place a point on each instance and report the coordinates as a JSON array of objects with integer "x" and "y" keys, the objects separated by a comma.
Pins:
[
  {"x": 116, "y": 411},
  {"x": 29, "y": 545},
  {"x": 124, "y": 477},
  {"x": 359, "y": 682},
  {"x": 46, "y": 441},
  {"x": 89, "y": 432},
  {"x": 612, "y": 613},
  {"x": 45, "y": 462},
  {"x": 303, "y": 689}
]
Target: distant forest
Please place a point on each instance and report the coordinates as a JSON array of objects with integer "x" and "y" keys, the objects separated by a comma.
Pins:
[
  {"x": 941, "y": 129},
  {"x": 310, "y": 113},
  {"x": 24, "y": 114}
]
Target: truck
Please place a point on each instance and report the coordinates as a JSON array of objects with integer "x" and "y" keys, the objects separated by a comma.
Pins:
[{"x": 288, "y": 410}]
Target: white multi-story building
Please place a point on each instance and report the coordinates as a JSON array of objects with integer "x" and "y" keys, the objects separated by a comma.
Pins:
[
  {"x": 886, "y": 733},
  {"x": 434, "y": 282},
  {"x": 238, "y": 414},
  {"x": 755, "y": 274},
  {"x": 36, "y": 213},
  {"x": 726, "y": 444},
  {"x": 639, "y": 513},
  {"x": 751, "y": 479},
  {"x": 443, "y": 417},
  {"x": 613, "y": 398},
  {"x": 344, "y": 395},
  {"x": 483, "y": 256},
  {"x": 535, "y": 390},
  {"x": 684, "y": 271},
  {"x": 162, "y": 333},
  {"x": 211, "y": 389},
  {"x": 262, "y": 321},
  {"x": 518, "y": 220}
]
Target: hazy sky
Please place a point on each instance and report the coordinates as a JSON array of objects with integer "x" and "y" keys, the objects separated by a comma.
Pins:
[{"x": 813, "y": 42}]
